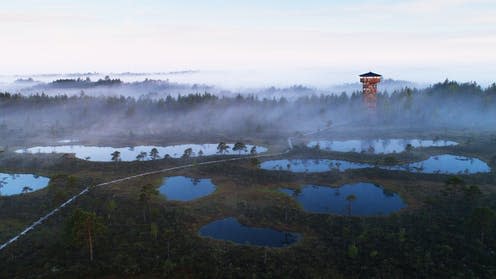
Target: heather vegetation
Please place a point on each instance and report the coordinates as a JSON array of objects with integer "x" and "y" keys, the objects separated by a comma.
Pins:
[{"x": 444, "y": 228}]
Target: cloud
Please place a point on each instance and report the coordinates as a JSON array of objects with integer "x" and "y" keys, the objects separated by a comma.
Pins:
[
  {"x": 345, "y": 35},
  {"x": 43, "y": 18}
]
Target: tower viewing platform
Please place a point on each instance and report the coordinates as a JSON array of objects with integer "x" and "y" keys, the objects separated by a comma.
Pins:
[{"x": 370, "y": 81}]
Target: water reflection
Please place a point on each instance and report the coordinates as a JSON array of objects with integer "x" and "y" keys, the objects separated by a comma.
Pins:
[
  {"x": 442, "y": 164},
  {"x": 446, "y": 164},
  {"x": 181, "y": 188},
  {"x": 358, "y": 199},
  {"x": 378, "y": 146},
  {"x": 143, "y": 152},
  {"x": 312, "y": 165},
  {"x": 231, "y": 230},
  {"x": 13, "y": 184}
]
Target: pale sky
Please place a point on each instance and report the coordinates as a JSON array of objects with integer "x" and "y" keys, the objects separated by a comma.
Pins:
[{"x": 421, "y": 40}]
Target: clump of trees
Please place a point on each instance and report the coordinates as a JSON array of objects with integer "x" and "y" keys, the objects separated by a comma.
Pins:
[
  {"x": 239, "y": 146},
  {"x": 147, "y": 193},
  {"x": 81, "y": 83},
  {"x": 83, "y": 228},
  {"x": 482, "y": 221},
  {"x": 222, "y": 147},
  {"x": 141, "y": 156},
  {"x": 154, "y": 154},
  {"x": 115, "y": 156},
  {"x": 188, "y": 152}
]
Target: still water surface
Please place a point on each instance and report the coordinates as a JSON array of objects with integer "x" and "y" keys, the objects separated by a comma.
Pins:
[
  {"x": 370, "y": 199},
  {"x": 231, "y": 230}
]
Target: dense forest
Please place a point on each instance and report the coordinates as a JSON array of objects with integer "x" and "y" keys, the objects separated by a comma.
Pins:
[
  {"x": 129, "y": 230},
  {"x": 441, "y": 106}
]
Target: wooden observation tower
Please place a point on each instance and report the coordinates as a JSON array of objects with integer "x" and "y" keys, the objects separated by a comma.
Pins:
[{"x": 370, "y": 81}]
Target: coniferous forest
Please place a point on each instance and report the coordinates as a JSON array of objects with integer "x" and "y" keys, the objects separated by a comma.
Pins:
[{"x": 446, "y": 228}]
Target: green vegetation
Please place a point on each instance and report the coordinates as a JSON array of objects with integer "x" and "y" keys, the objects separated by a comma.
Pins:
[
  {"x": 154, "y": 154},
  {"x": 239, "y": 146},
  {"x": 448, "y": 230},
  {"x": 83, "y": 228},
  {"x": 126, "y": 229},
  {"x": 116, "y": 156}
]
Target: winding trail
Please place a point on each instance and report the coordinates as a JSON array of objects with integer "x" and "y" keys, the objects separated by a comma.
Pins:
[{"x": 85, "y": 190}]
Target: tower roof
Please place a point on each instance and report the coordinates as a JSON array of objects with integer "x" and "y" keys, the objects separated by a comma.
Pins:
[{"x": 370, "y": 74}]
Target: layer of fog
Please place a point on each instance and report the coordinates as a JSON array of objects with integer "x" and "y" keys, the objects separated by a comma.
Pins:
[
  {"x": 161, "y": 85},
  {"x": 200, "y": 118}
]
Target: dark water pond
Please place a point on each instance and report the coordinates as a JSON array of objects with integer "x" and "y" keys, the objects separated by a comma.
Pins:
[
  {"x": 377, "y": 146},
  {"x": 13, "y": 184},
  {"x": 231, "y": 230},
  {"x": 181, "y": 188},
  {"x": 103, "y": 153},
  {"x": 358, "y": 199}
]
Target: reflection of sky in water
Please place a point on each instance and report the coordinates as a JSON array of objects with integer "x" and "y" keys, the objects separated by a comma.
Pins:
[
  {"x": 447, "y": 164},
  {"x": 12, "y": 184},
  {"x": 370, "y": 199},
  {"x": 312, "y": 165},
  {"x": 102, "y": 154},
  {"x": 378, "y": 145},
  {"x": 230, "y": 229},
  {"x": 67, "y": 141},
  {"x": 181, "y": 188}
]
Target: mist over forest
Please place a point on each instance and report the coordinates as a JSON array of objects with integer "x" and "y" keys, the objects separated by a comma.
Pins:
[
  {"x": 248, "y": 139},
  {"x": 202, "y": 114},
  {"x": 161, "y": 85}
]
